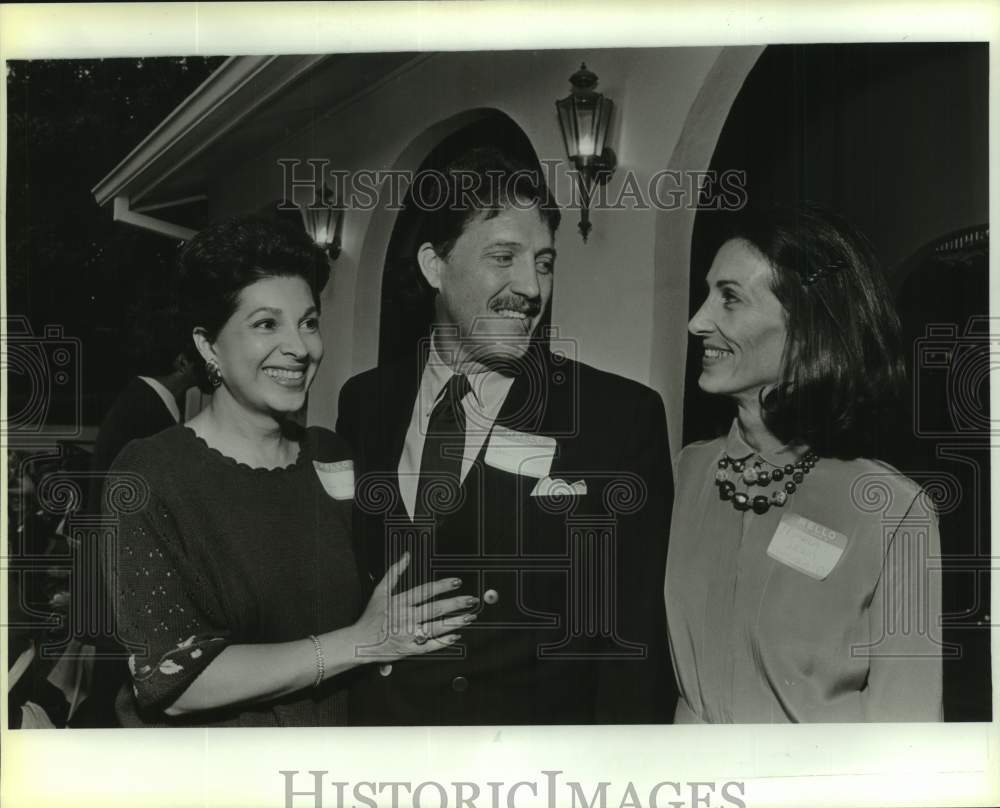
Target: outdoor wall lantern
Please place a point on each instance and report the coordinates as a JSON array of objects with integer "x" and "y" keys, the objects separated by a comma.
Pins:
[
  {"x": 324, "y": 222},
  {"x": 584, "y": 116}
]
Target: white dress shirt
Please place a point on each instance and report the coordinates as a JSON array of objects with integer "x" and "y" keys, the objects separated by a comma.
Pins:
[
  {"x": 482, "y": 405},
  {"x": 168, "y": 399}
]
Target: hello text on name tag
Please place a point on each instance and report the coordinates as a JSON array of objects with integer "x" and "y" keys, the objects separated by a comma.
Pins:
[
  {"x": 337, "y": 478},
  {"x": 806, "y": 546}
]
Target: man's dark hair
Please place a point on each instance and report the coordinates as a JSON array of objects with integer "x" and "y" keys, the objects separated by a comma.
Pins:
[
  {"x": 223, "y": 259},
  {"x": 445, "y": 196},
  {"x": 155, "y": 338},
  {"x": 480, "y": 182},
  {"x": 843, "y": 369}
]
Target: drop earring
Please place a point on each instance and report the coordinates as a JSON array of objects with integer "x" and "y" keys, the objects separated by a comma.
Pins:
[{"x": 214, "y": 373}]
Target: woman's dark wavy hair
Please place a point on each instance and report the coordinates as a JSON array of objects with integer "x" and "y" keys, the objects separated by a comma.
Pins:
[
  {"x": 843, "y": 369},
  {"x": 226, "y": 257}
]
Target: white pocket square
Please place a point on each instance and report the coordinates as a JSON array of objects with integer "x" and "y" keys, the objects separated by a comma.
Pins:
[
  {"x": 554, "y": 487},
  {"x": 337, "y": 478}
]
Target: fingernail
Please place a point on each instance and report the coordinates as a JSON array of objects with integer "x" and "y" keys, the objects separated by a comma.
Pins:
[
  {"x": 472, "y": 600},
  {"x": 468, "y": 618},
  {"x": 456, "y": 582},
  {"x": 453, "y": 638}
]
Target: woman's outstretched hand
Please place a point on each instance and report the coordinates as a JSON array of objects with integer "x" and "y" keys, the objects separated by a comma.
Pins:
[{"x": 411, "y": 622}]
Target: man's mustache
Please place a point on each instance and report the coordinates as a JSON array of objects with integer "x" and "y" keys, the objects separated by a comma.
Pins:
[{"x": 518, "y": 304}]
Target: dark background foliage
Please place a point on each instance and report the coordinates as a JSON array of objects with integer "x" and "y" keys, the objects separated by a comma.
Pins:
[{"x": 69, "y": 122}]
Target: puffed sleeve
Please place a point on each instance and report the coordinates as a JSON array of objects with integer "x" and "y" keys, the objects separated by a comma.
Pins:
[
  {"x": 904, "y": 680},
  {"x": 163, "y": 607}
]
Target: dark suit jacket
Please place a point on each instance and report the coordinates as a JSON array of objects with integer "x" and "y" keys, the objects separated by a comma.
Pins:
[
  {"x": 579, "y": 632},
  {"x": 138, "y": 412}
]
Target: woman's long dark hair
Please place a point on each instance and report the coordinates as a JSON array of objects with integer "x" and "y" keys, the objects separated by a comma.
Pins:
[{"x": 843, "y": 369}]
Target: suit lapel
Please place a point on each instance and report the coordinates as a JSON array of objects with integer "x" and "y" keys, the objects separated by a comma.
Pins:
[
  {"x": 526, "y": 405},
  {"x": 533, "y": 404}
]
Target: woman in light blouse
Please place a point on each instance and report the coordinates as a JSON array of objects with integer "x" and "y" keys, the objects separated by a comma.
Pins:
[{"x": 800, "y": 582}]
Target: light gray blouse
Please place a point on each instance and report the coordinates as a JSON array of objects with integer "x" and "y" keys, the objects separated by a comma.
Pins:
[{"x": 826, "y": 609}]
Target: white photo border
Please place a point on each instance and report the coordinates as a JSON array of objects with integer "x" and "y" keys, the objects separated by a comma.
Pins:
[{"x": 829, "y": 765}]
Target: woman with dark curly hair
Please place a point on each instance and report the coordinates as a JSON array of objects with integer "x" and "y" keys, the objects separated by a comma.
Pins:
[
  {"x": 237, "y": 588},
  {"x": 799, "y": 583}
]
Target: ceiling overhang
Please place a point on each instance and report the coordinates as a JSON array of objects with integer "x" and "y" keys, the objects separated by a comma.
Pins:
[{"x": 245, "y": 106}]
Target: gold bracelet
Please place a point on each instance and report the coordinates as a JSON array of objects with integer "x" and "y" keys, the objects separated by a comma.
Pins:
[{"x": 320, "y": 661}]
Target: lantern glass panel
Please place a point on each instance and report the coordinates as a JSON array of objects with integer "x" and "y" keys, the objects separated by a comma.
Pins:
[
  {"x": 567, "y": 125},
  {"x": 324, "y": 227},
  {"x": 320, "y": 224},
  {"x": 601, "y": 122},
  {"x": 586, "y": 122}
]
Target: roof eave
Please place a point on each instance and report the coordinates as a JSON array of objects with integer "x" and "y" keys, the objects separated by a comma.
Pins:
[{"x": 241, "y": 85}]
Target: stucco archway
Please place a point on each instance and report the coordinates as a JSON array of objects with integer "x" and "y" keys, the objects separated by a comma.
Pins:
[{"x": 674, "y": 229}]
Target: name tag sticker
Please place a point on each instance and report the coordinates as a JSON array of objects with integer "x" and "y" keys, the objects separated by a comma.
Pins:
[
  {"x": 806, "y": 546},
  {"x": 337, "y": 478},
  {"x": 520, "y": 452}
]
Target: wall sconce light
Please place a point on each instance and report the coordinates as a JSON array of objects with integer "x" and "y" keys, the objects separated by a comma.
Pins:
[
  {"x": 324, "y": 222},
  {"x": 584, "y": 116}
]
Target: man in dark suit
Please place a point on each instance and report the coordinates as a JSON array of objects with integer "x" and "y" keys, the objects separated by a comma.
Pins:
[
  {"x": 542, "y": 483},
  {"x": 151, "y": 401}
]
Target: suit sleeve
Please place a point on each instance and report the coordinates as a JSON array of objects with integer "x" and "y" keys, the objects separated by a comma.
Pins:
[
  {"x": 349, "y": 428},
  {"x": 346, "y": 422},
  {"x": 641, "y": 689}
]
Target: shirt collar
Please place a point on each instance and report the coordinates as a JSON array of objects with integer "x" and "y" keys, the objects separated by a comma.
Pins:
[
  {"x": 736, "y": 447},
  {"x": 165, "y": 395},
  {"x": 489, "y": 387}
]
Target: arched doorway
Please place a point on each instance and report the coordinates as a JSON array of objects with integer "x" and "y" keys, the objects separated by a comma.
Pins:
[{"x": 406, "y": 302}]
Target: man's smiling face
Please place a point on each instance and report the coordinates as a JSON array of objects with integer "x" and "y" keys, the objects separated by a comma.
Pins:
[{"x": 494, "y": 285}]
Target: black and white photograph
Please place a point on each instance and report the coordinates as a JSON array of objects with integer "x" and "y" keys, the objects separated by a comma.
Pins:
[{"x": 403, "y": 410}]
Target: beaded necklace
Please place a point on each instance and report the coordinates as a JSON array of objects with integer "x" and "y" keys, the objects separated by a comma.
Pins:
[{"x": 758, "y": 475}]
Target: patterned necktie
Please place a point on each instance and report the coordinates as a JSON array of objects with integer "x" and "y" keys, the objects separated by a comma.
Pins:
[{"x": 444, "y": 445}]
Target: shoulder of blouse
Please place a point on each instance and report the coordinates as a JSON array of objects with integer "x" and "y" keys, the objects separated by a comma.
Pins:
[
  {"x": 699, "y": 452},
  {"x": 146, "y": 471},
  {"x": 889, "y": 475},
  {"x": 154, "y": 454},
  {"x": 883, "y": 491}
]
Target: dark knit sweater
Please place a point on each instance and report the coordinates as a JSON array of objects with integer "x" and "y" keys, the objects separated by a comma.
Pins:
[{"x": 212, "y": 552}]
